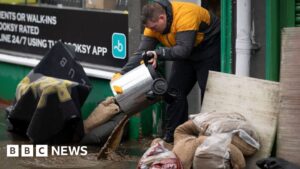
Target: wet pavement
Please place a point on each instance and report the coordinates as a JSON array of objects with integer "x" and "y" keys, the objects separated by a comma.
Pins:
[{"x": 127, "y": 155}]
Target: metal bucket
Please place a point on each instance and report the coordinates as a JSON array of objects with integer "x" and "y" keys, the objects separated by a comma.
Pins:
[{"x": 140, "y": 88}]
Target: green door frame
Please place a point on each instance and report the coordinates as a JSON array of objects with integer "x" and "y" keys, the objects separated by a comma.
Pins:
[
  {"x": 288, "y": 13},
  {"x": 272, "y": 40},
  {"x": 279, "y": 14},
  {"x": 226, "y": 36},
  {"x": 297, "y": 13}
]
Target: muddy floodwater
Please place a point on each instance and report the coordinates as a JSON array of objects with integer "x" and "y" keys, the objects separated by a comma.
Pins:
[{"x": 126, "y": 157}]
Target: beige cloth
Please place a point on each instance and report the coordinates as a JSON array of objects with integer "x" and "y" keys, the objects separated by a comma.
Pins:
[{"x": 101, "y": 114}]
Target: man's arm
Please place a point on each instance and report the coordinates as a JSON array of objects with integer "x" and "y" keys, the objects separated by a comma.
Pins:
[
  {"x": 147, "y": 43},
  {"x": 183, "y": 48}
]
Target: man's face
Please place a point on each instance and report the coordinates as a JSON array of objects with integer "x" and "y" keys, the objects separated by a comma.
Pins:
[{"x": 157, "y": 25}]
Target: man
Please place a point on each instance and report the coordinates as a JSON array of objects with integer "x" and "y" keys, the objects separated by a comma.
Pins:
[{"x": 191, "y": 38}]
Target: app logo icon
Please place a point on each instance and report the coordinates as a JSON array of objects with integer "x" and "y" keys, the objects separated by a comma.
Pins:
[{"x": 119, "y": 45}]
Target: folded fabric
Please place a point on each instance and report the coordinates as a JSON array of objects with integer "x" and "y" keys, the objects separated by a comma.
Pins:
[{"x": 48, "y": 100}]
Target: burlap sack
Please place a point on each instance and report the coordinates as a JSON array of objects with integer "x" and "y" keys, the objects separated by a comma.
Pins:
[
  {"x": 226, "y": 123},
  {"x": 186, "y": 129},
  {"x": 237, "y": 159},
  {"x": 101, "y": 114},
  {"x": 245, "y": 148},
  {"x": 185, "y": 149},
  {"x": 230, "y": 125}
]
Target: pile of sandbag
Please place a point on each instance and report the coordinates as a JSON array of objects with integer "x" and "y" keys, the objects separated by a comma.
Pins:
[
  {"x": 244, "y": 137},
  {"x": 215, "y": 140}
]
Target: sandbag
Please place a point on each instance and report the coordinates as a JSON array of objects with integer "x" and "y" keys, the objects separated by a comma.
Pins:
[
  {"x": 185, "y": 149},
  {"x": 213, "y": 153},
  {"x": 237, "y": 159},
  {"x": 206, "y": 160},
  {"x": 207, "y": 118},
  {"x": 246, "y": 144},
  {"x": 101, "y": 114},
  {"x": 186, "y": 129},
  {"x": 245, "y": 137},
  {"x": 99, "y": 135}
]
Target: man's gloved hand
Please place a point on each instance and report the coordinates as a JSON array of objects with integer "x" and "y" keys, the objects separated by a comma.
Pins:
[{"x": 153, "y": 60}]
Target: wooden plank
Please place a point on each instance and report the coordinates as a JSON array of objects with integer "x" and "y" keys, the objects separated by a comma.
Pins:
[
  {"x": 288, "y": 139},
  {"x": 257, "y": 100}
]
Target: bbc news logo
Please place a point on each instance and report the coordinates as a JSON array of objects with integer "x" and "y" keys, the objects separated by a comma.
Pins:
[{"x": 28, "y": 150}]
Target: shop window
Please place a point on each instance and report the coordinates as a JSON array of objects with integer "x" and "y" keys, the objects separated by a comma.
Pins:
[
  {"x": 69, "y": 3},
  {"x": 85, "y": 4},
  {"x": 29, "y": 28},
  {"x": 18, "y": 1}
]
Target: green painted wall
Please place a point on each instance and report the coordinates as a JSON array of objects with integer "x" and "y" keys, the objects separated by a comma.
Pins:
[{"x": 10, "y": 75}]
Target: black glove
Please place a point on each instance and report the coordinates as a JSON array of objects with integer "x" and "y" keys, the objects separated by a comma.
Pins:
[
  {"x": 275, "y": 163},
  {"x": 147, "y": 56}
]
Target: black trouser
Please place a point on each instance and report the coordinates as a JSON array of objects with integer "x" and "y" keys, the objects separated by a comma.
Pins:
[{"x": 184, "y": 75}]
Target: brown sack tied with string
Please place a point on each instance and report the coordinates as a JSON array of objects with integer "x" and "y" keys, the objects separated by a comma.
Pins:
[
  {"x": 185, "y": 149},
  {"x": 237, "y": 159},
  {"x": 187, "y": 129},
  {"x": 101, "y": 114},
  {"x": 186, "y": 141}
]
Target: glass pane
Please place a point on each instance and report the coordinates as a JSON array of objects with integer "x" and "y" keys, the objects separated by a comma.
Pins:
[{"x": 84, "y": 4}]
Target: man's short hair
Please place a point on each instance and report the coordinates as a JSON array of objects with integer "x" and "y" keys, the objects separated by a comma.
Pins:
[{"x": 151, "y": 11}]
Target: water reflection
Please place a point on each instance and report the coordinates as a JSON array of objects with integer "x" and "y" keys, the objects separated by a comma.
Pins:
[{"x": 127, "y": 155}]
